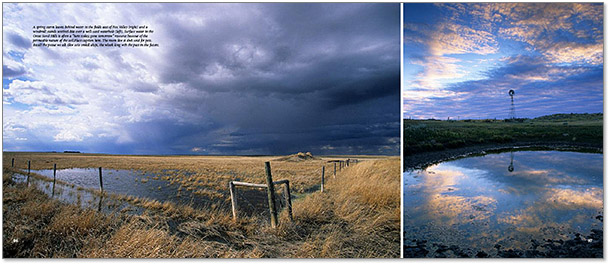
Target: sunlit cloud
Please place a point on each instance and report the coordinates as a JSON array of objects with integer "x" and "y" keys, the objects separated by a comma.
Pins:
[{"x": 465, "y": 56}]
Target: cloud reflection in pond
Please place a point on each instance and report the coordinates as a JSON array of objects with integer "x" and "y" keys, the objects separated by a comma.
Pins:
[{"x": 477, "y": 203}]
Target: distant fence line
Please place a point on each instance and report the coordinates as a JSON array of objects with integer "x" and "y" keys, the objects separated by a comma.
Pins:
[{"x": 55, "y": 176}]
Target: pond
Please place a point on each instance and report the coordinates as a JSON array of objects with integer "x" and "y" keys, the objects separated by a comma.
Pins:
[
  {"x": 129, "y": 182},
  {"x": 78, "y": 196},
  {"x": 512, "y": 204},
  {"x": 158, "y": 186}
]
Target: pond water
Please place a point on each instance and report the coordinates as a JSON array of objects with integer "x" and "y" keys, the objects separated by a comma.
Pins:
[
  {"x": 513, "y": 201},
  {"x": 157, "y": 186},
  {"x": 129, "y": 182},
  {"x": 78, "y": 196}
]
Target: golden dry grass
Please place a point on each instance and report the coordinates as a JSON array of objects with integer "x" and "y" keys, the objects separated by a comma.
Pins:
[
  {"x": 358, "y": 215},
  {"x": 207, "y": 171}
]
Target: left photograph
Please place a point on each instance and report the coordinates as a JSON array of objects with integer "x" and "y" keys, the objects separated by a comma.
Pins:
[{"x": 201, "y": 130}]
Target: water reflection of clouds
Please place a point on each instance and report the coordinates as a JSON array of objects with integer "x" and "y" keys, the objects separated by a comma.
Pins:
[
  {"x": 548, "y": 176},
  {"x": 532, "y": 174},
  {"x": 542, "y": 198},
  {"x": 552, "y": 206},
  {"x": 452, "y": 209},
  {"x": 440, "y": 185},
  {"x": 570, "y": 199},
  {"x": 437, "y": 180}
]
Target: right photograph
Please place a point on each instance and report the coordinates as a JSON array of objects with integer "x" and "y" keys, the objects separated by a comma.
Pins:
[{"x": 503, "y": 130}]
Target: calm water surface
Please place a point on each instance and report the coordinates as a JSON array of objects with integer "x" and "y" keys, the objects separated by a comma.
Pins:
[
  {"x": 77, "y": 196},
  {"x": 154, "y": 186},
  {"x": 513, "y": 200},
  {"x": 127, "y": 182}
]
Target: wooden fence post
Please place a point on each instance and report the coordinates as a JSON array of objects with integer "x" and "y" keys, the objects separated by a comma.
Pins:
[
  {"x": 271, "y": 195},
  {"x": 99, "y": 205},
  {"x": 335, "y": 170},
  {"x": 233, "y": 199},
  {"x": 101, "y": 184},
  {"x": 288, "y": 199},
  {"x": 322, "y": 185},
  {"x": 13, "y": 162},
  {"x": 28, "y": 179},
  {"x": 54, "y": 177},
  {"x": 347, "y": 162}
]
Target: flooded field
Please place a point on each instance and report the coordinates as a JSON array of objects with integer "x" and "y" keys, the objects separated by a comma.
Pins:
[
  {"x": 513, "y": 204},
  {"x": 180, "y": 206},
  {"x": 129, "y": 182},
  {"x": 76, "y": 185},
  {"x": 77, "y": 195},
  {"x": 196, "y": 182}
]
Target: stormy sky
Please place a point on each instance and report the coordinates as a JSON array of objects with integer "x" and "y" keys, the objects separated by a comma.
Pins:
[
  {"x": 462, "y": 59},
  {"x": 226, "y": 79}
]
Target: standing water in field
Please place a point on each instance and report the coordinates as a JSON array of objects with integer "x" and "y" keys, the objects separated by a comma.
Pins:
[
  {"x": 75, "y": 195},
  {"x": 514, "y": 204},
  {"x": 160, "y": 187},
  {"x": 130, "y": 182}
]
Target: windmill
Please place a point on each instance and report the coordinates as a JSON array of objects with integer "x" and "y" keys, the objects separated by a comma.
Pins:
[{"x": 511, "y": 93}]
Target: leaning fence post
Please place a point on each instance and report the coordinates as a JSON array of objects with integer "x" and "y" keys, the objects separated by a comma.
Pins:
[
  {"x": 322, "y": 185},
  {"x": 288, "y": 199},
  {"x": 54, "y": 177},
  {"x": 101, "y": 184},
  {"x": 233, "y": 199},
  {"x": 271, "y": 195}
]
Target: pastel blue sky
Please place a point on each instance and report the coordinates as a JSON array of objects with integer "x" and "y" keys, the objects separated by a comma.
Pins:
[
  {"x": 461, "y": 59},
  {"x": 247, "y": 79}
]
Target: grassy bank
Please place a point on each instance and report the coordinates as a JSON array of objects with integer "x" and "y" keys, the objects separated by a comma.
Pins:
[
  {"x": 421, "y": 136},
  {"x": 358, "y": 215}
]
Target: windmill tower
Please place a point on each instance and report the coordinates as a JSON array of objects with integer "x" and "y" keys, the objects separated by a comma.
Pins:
[{"x": 511, "y": 93}]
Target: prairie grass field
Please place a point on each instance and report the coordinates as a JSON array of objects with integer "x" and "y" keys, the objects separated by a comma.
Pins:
[
  {"x": 357, "y": 215},
  {"x": 422, "y": 136}
]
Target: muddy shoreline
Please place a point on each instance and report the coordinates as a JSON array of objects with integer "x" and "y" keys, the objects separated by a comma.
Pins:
[
  {"x": 578, "y": 247},
  {"x": 423, "y": 160}
]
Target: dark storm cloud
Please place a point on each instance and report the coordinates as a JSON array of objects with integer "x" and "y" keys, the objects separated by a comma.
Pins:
[
  {"x": 286, "y": 72},
  {"x": 243, "y": 78}
]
